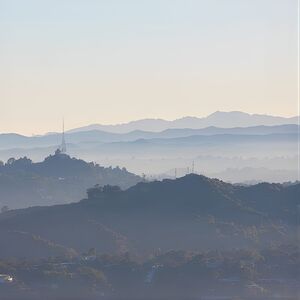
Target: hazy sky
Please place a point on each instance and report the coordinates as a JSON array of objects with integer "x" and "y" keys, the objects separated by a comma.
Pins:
[{"x": 111, "y": 61}]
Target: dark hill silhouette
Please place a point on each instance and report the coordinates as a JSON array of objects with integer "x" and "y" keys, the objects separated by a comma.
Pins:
[
  {"x": 56, "y": 180},
  {"x": 190, "y": 213}
]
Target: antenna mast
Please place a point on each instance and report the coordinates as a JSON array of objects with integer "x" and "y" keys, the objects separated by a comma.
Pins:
[{"x": 63, "y": 147}]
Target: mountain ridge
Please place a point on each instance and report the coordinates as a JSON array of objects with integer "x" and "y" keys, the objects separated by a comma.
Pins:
[
  {"x": 8, "y": 141},
  {"x": 218, "y": 118}
]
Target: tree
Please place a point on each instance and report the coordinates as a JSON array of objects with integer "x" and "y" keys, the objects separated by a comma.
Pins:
[{"x": 10, "y": 161}]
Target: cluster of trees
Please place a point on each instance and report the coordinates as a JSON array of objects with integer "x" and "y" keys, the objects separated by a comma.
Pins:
[
  {"x": 13, "y": 162},
  {"x": 96, "y": 191}
]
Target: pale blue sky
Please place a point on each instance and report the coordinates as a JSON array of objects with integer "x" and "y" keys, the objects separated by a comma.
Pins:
[{"x": 118, "y": 60}]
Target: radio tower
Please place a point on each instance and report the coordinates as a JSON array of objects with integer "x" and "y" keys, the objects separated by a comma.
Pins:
[{"x": 63, "y": 147}]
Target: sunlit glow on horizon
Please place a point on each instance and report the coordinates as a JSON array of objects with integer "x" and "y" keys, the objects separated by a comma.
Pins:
[{"x": 109, "y": 62}]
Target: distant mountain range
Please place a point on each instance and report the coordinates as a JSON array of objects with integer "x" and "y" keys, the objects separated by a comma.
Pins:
[
  {"x": 9, "y": 141},
  {"x": 189, "y": 213},
  {"x": 217, "y": 119}
]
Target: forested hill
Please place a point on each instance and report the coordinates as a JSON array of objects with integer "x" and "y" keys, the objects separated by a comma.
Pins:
[
  {"x": 56, "y": 180},
  {"x": 190, "y": 213}
]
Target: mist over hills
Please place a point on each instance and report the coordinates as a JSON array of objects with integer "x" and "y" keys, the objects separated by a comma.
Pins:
[
  {"x": 192, "y": 212},
  {"x": 218, "y": 119},
  {"x": 238, "y": 174},
  {"x": 176, "y": 144},
  {"x": 230, "y": 144},
  {"x": 214, "y": 150},
  {"x": 8, "y": 141}
]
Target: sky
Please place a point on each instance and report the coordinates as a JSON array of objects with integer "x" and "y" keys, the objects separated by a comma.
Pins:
[{"x": 113, "y": 61}]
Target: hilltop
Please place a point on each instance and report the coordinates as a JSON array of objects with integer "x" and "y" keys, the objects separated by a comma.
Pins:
[{"x": 58, "y": 179}]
